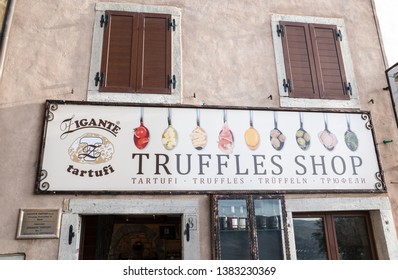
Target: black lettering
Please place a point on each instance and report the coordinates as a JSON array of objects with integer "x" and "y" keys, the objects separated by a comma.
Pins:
[
  {"x": 334, "y": 167},
  {"x": 256, "y": 164},
  {"x": 158, "y": 164},
  {"x": 354, "y": 165},
  {"x": 238, "y": 168},
  {"x": 179, "y": 163},
  {"x": 202, "y": 163},
  {"x": 140, "y": 162},
  {"x": 300, "y": 164},
  {"x": 318, "y": 164},
  {"x": 225, "y": 163},
  {"x": 277, "y": 165}
]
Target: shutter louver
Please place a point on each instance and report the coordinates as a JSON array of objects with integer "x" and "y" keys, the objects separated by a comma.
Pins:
[
  {"x": 119, "y": 52},
  {"x": 136, "y": 54},
  {"x": 154, "y": 54},
  {"x": 328, "y": 59},
  {"x": 299, "y": 61}
]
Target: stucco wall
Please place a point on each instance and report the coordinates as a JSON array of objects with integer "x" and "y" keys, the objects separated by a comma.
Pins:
[{"x": 227, "y": 59}]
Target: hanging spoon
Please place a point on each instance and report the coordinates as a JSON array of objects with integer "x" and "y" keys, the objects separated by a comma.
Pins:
[
  {"x": 303, "y": 139},
  {"x": 169, "y": 136},
  {"x": 276, "y": 136},
  {"x": 198, "y": 135},
  {"x": 225, "y": 137},
  {"x": 328, "y": 139},
  {"x": 350, "y": 138},
  {"x": 141, "y": 133},
  {"x": 252, "y": 137}
]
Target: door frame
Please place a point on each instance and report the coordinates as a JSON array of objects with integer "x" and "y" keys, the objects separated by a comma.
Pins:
[
  {"x": 379, "y": 209},
  {"x": 188, "y": 208}
]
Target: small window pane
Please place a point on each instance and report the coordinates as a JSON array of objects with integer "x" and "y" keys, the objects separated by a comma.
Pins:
[
  {"x": 269, "y": 229},
  {"x": 234, "y": 237},
  {"x": 352, "y": 238},
  {"x": 309, "y": 234}
]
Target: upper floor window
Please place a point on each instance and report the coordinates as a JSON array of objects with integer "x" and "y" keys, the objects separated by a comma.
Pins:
[
  {"x": 136, "y": 55},
  {"x": 313, "y": 63}
]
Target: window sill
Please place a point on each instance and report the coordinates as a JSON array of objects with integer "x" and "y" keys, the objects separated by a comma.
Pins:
[
  {"x": 319, "y": 103},
  {"x": 173, "y": 98}
]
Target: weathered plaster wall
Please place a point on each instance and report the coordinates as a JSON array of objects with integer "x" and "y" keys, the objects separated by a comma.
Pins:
[{"x": 227, "y": 59}]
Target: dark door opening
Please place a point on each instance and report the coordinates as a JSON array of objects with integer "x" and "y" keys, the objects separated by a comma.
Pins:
[{"x": 129, "y": 237}]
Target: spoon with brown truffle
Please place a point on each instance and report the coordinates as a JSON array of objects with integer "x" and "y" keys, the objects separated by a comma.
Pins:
[
  {"x": 276, "y": 136},
  {"x": 303, "y": 139}
]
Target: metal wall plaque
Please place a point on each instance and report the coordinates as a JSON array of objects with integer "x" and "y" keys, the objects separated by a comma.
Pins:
[{"x": 39, "y": 223}]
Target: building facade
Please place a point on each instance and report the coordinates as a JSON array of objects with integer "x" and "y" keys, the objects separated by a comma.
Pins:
[{"x": 196, "y": 130}]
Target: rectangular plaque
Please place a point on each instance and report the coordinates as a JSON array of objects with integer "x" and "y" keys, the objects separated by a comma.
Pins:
[{"x": 39, "y": 223}]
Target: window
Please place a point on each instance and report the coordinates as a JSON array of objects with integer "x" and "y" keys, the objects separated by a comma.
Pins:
[
  {"x": 343, "y": 236},
  {"x": 249, "y": 227},
  {"x": 313, "y": 63},
  {"x": 136, "y": 54}
]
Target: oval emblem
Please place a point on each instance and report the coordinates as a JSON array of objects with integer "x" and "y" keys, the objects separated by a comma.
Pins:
[{"x": 91, "y": 148}]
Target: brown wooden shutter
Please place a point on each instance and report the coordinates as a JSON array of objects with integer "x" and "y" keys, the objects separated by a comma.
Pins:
[
  {"x": 154, "y": 51},
  {"x": 299, "y": 60},
  {"x": 136, "y": 55},
  {"x": 329, "y": 63},
  {"x": 119, "y": 54}
]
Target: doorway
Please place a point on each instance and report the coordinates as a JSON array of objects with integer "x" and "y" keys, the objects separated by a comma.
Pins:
[{"x": 129, "y": 237}]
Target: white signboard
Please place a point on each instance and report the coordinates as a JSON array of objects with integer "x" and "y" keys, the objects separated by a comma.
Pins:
[{"x": 91, "y": 147}]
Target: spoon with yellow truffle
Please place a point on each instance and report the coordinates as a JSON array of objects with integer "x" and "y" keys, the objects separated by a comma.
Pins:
[
  {"x": 169, "y": 136},
  {"x": 303, "y": 139},
  {"x": 252, "y": 137}
]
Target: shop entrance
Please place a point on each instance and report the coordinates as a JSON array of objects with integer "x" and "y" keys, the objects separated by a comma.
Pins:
[{"x": 131, "y": 237}]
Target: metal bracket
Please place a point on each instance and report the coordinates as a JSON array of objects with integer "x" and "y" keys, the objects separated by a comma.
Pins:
[
  {"x": 339, "y": 35},
  {"x": 287, "y": 87},
  {"x": 98, "y": 79},
  {"x": 172, "y": 23},
  {"x": 172, "y": 81},
  {"x": 104, "y": 20},
  {"x": 280, "y": 30},
  {"x": 71, "y": 234},
  {"x": 187, "y": 227},
  {"x": 348, "y": 88}
]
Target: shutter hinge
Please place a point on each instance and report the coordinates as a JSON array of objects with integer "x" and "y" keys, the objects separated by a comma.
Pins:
[
  {"x": 348, "y": 88},
  {"x": 280, "y": 30},
  {"x": 99, "y": 79},
  {"x": 172, "y": 81},
  {"x": 104, "y": 20},
  {"x": 287, "y": 86},
  {"x": 339, "y": 35},
  {"x": 172, "y": 23}
]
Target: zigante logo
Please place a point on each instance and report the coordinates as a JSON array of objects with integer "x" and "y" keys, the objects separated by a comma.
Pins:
[
  {"x": 90, "y": 148},
  {"x": 70, "y": 125}
]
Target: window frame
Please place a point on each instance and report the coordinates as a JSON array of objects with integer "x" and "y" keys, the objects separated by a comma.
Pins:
[
  {"x": 93, "y": 92},
  {"x": 288, "y": 101},
  {"x": 252, "y": 231},
  {"x": 332, "y": 248}
]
